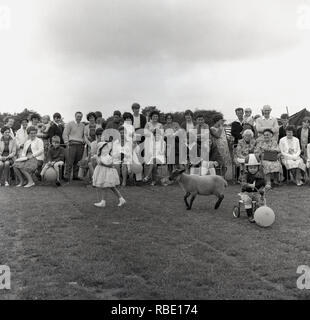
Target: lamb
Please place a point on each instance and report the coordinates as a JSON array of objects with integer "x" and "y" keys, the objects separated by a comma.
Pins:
[{"x": 200, "y": 185}]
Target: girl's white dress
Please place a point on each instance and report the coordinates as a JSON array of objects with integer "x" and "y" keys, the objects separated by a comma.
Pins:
[{"x": 105, "y": 177}]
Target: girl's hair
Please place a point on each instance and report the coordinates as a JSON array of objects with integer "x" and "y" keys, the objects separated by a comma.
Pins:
[
  {"x": 169, "y": 115},
  {"x": 91, "y": 114},
  {"x": 153, "y": 113},
  {"x": 189, "y": 112},
  {"x": 268, "y": 130},
  {"x": 290, "y": 128},
  {"x": 127, "y": 115},
  {"x": 5, "y": 129}
]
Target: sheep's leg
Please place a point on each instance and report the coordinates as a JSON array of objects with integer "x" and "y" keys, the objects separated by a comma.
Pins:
[
  {"x": 193, "y": 197},
  {"x": 219, "y": 201},
  {"x": 185, "y": 199}
]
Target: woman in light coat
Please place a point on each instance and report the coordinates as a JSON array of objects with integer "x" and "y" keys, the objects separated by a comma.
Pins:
[
  {"x": 290, "y": 149},
  {"x": 32, "y": 157}
]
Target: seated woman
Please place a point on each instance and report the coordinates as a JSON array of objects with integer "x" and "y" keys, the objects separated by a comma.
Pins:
[
  {"x": 32, "y": 157},
  {"x": 7, "y": 153},
  {"x": 290, "y": 149},
  {"x": 269, "y": 153},
  {"x": 245, "y": 146}
]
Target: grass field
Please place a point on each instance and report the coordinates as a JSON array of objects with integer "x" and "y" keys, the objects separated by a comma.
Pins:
[{"x": 59, "y": 246}]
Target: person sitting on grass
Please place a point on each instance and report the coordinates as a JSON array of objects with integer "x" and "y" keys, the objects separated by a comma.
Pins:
[
  {"x": 252, "y": 183},
  {"x": 105, "y": 175},
  {"x": 55, "y": 158},
  {"x": 7, "y": 153}
]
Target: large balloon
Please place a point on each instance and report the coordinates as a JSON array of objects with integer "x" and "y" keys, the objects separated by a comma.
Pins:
[
  {"x": 264, "y": 216},
  {"x": 50, "y": 175}
]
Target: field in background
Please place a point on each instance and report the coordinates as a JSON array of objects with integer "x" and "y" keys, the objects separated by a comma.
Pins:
[{"x": 59, "y": 246}]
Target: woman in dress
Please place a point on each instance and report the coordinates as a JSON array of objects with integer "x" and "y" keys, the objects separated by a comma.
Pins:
[
  {"x": 290, "y": 149},
  {"x": 8, "y": 151},
  {"x": 31, "y": 158},
  {"x": 152, "y": 126},
  {"x": 219, "y": 135},
  {"x": 245, "y": 146},
  {"x": 272, "y": 167}
]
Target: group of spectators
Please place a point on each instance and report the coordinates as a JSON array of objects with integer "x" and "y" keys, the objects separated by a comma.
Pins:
[
  {"x": 282, "y": 150},
  {"x": 142, "y": 150}
]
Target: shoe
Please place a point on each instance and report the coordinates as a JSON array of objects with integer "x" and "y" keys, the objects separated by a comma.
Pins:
[
  {"x": 100, "y": 204},
  {"x": 29, "y": 185},
  {"x": 65, "y": 179},
  {"x": 6, "y": 184},
  {"x": 58, "y": 184},
  {"x": 251, "y": 219},
  {"x": 139, "y": 183},
  {"x": 299, "y": 184},
  {"x": 153, "y": 183},
  {"x": 19, "y": 185},
  {"x": 122, "y": 201}
]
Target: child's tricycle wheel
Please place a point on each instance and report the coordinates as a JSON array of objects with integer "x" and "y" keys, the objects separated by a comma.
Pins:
[{"x": 236, "y": 212}]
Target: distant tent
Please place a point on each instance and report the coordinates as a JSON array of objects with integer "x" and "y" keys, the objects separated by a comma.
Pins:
[{"x": 296, "y": 119}]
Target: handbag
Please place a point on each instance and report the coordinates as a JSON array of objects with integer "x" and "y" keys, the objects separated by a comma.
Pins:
[{"x": 270, "y": 156}]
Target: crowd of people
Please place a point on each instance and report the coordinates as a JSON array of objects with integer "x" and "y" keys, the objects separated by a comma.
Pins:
[{"x": 136, "y": 149}]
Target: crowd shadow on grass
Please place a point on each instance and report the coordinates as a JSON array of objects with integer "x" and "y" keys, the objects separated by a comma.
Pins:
[{"x": 61, "y": 247}]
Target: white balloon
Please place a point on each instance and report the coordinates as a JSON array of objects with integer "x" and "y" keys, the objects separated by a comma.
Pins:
[{"x": 264, "y": 216}]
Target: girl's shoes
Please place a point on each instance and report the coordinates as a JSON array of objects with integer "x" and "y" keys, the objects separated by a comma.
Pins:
[
  {"x": 29, "y": 185},
  {"x": 122, "y": 201},
  {"x": 6, "y": 184},
  {"x": 100, "y": 204}
]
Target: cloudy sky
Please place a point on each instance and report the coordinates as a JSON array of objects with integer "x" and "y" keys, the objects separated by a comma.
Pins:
[{"x": 69, "y": 55}]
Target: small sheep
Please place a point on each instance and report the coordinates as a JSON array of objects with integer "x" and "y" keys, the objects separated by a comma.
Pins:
[{"x": 200, "y": 185}]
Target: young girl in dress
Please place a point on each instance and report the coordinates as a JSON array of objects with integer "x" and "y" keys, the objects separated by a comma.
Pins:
[{"x": 105, "y": 175}]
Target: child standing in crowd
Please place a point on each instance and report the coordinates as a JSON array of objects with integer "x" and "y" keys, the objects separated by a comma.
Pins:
[
  {"x": 92, "y": 162},
  {"x": 248, "y": 117},
  {"x": 105, "y": 175},
  {"x": 55, "y": 158}
]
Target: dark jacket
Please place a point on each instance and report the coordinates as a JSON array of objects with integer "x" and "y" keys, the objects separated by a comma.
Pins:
[
  {"x": 55, "y": 155},
  {"x": 236, "y": 129},
  {"x": 298, "y": 134},
  {"x": 56, "y": 130},
  {"x": 142, "y": 122},
  {"x": 248, "y": 178}
]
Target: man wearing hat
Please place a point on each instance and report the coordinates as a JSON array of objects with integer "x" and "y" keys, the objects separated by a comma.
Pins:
[{"x": 267, "y": 122}]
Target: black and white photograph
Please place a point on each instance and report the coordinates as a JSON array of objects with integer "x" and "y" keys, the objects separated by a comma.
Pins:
[{"x": 154, "y": 150}]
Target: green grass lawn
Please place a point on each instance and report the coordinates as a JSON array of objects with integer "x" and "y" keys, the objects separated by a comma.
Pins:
[{"x": 59, "y": 246}]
